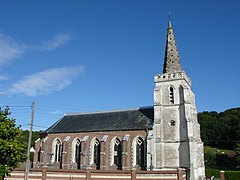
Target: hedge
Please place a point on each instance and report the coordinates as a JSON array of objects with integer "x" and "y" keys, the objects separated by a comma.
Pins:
[
  {"x": 229, "y": 175},
  {"x": 232, "y": 175},
  {"x": 213, "y": 172}
]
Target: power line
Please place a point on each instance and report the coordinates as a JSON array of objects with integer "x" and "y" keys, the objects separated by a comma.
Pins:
[
  {"x": 18, "y": 106},
  {"x": 34, "y": 125},
  {"x": 15, "y": 105}
]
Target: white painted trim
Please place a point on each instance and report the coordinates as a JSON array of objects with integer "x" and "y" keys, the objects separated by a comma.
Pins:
[
  {"x": 73, "y": 153},
  {"x": 54, "y": 148}
]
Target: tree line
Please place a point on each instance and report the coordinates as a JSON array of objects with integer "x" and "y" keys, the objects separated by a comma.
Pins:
[{"x": 220, "y": 130}]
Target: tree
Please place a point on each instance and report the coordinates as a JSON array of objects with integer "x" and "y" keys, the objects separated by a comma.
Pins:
[
  {"x": 25, "y": 136},
  {"x": 238, "y": 154},
  {"x": 12, "y": 151},
  {"x": 221, "y": 130},
  {"x": 24, "y": 140}
]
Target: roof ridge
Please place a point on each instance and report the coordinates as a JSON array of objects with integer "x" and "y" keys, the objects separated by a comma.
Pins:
[{"x": 109, "y": 111}]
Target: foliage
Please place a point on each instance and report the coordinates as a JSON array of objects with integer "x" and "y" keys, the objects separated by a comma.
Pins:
[
  {"x": 232, "y": 175},
  {"x": 210, "y": 160},
  {"x": 238, "y": 155},
  {"x": 24, "y": 139},
  {"x": 213, "y": 172},
  {"x": 221, "y": 130},
  {"x": 25, "y": 135},
  {"x": 224, "y": 161},
  {"x": 11, "y": 149},
  {"x": 220, "y": 159},
  {"x": 229, "y": 175}
]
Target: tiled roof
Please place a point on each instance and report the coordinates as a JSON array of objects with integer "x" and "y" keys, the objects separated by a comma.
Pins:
[{"x": 137, "y": 119}]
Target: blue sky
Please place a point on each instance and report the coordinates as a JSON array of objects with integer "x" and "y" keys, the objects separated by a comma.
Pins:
[{"x": 83, "y": 56}]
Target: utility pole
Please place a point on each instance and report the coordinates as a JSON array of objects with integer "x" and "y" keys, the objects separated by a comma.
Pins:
[{"x": 29, "y": 144}]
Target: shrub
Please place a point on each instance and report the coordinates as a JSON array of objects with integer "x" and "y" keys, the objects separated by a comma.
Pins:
[
  {"x": 210, "y": 159},
  {"x": 213, "y": 172},
  {"x": 232, "y": 175},
  {"x": 225, "y": 161}
]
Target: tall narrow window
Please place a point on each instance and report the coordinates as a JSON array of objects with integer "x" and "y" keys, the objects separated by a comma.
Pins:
[
  {"x": 171, "y": 95},
  {"x": 118, "y": 154},
  {"x": 39, "y": 152},
  {"x": 39, "y": 156},
  {"x": 78, "y": 153},
  {"x": 96, "y": 153},
  {"x": 58, "y": 151},
  {"x": 140, "y": 153}
]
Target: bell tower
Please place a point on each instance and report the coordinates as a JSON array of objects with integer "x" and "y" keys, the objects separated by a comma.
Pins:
[{"x": 175, "y": 139}]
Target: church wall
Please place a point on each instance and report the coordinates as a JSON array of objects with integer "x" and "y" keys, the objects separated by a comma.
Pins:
[{"x": 106, "y": 153}]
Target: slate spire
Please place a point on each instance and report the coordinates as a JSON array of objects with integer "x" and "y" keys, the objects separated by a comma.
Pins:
[{"x": 171, "y": 59}]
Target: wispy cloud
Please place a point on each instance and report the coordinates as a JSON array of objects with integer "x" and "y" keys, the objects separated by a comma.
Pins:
[
  {"x": 45, "y": 82},
  {"x": 9, "y": 49},
  {"x": 56, "y": 42},
  {"x": 3, "y": 78}
]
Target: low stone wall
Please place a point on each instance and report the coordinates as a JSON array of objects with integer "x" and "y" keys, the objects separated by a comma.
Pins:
[{"x": 90, "y": 174}]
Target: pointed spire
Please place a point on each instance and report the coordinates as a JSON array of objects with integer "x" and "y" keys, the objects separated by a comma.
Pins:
[{"x": 171, "y": 59}]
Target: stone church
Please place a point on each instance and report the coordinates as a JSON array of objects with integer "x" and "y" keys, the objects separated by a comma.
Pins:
[{"x": 163, "y": 136}]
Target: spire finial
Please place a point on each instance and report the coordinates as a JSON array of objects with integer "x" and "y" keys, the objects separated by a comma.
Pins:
[{"x": 169, "y": 20}]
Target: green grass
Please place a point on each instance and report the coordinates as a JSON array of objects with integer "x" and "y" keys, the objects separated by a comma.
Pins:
[{"x": 215, "y": 150}]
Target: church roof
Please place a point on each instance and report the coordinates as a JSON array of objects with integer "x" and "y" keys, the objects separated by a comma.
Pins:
[
  {"x": 171, "y": 60},
  {"x": 137, "y": 119}
]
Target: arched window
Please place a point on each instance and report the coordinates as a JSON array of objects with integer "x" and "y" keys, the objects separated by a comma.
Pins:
[
  {"x": 118, "y": 153},
  {"x": 77, "y": 154},
  {"x": 140, "y": 152},
  {"x": 57, "y": 150},
  {"x": 96, "y": 153},
  {"x": 171, "y": 95}
]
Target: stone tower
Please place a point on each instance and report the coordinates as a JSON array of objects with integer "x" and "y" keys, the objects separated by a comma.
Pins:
[{"x": 175, "y": 139}]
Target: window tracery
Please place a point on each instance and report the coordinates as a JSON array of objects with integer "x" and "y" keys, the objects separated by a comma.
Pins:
[
  {"x": 96, "y": 148},
  {"x": 57, "y": 150},
  {"x": 117, "y": 155},
  {"x": 139, "y": 152}
]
